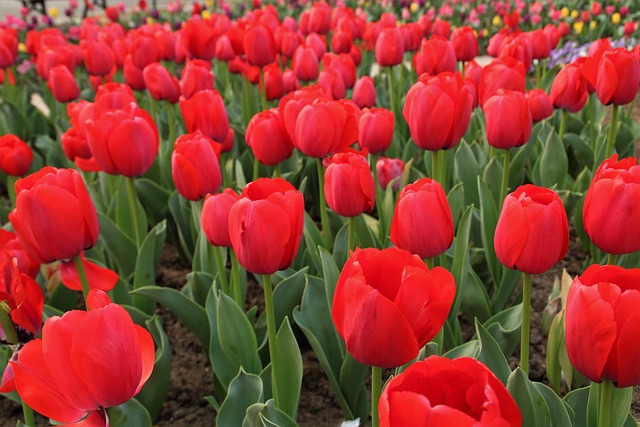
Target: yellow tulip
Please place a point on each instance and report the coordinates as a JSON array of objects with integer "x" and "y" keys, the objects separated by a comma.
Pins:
[
  {"x": 577, "y": 26},
  {"x": 414, "y": 7},
  {"x": 593, "y": 25},
  {"x": 22, "y": 47},
  {"x": 564, "y": 12},
  {"x": 209, "y": 3},
  {"x": 53, "y": 11},
  {"x": 575, "y": 14},
  {"x": 497, "y": 21},
  {"x": 149, "y": 20},
  {"x": 205, "y": 14},
  {"x": 615, "y": 18}
]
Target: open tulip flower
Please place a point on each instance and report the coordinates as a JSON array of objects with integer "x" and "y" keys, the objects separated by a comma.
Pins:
[{"x": 84, "y": 363}]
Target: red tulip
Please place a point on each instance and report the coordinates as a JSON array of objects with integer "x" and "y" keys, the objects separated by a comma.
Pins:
[
  {"x": 540, "y": 104},
  {"x": 411, "y": 36},
  {"x": 305, "y": 64},
  {"x": 259, "y": 45},
  {"x": 611, "y": 211},
  {"x": 133, "y": 75},
  {"x": 268, "y": 138},
  {"x": 504, "y": 73},
  {"x": 196, "y": 75},
  {"x": 98, "y": 277},
  {"x": 331, "y": 80},
  {"x": 618, "y": 77},
  {"x": 540, "y": 44},
  {"x": 387, "y": 305},
  {"x": 195, "y": 166},
  {"x": 465, "y": 43},
  {"x": 603, "y": 324},
  {"x": 439, "y": 391},
  {"x": 113, "y": 96},
  {"x": 269, "y": 214},
  {"x": 198, "y": 38},
  {"x": 21, "y": 294},
  {"x": 98, "y": 57},
  {"x": 420, "y": 206},
  {"x": 364, "y": 92},
  {"x": 388, "y": 170},
  {"x": 13, "y": 246},
  {"x": 317, "y": 43},
  {"x": 144, "y": 50},
  {"x": 518, "y": 48},
  {"x": 437, "y": 110},
  {"x": 436, "y": 56},
  {"x": 287, "y": 41},
  {"x": 290, "y": 81},
  {"x": 389, "y": 47},
  {"x": 54, "y": 215},
  {"x": 224, "y": 49},
  {"x": 8, "y": 47},
  {"x": 342, "y": 41},
  {"x": 348, "y": 184},
  {"x": 569, "y": 89},
  {"x": 124, "y": 142},
  {"x": 273, "y": 82},
  {"x": 15, "y": 155},
  {"x": 62, "y": 84},
  {"x": 291, "y": 105},
  {"x": 344, "y": 64},
  {"x": 84, "y": 362},
  {"x": 205, "y": 111},
  {"x": 508, "y": 119},
  {"x": 441, "y": 27},
  {"x": 532, "y": 233},
  {"x": 160, "y": 83},
  {"x": 215, "y": 216},
  {"x": 375, "y": 129}
]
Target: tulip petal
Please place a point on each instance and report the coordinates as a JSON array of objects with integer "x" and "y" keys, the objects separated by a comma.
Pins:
[
  {"x": 147, "y": 351},
  {"x": 627, "y": 351},
  {"x": 607, "y": 81},
  {"x": 93, "y": 419},
  {"x": 409, "y": 409},
  {"x": 512, "y": 232},
  {"x": 98, "y": 277}
]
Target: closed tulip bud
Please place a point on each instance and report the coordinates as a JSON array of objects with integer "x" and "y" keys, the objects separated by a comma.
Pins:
[
  {"x": 473, "y": 71},
  {"x": 289, "y": 81},
  {"x": 540, "y": 44},
  {"x": 196, "y": 75},
  {"x": 224, "y": 49},
  {"x": 540, "y": 104},
  {"x": 508, "y": 119},
  {"x": 215, "y": 216},
  {"x": 62, "y": 84},
  {"x": 409, "y": 398},
  {"x": 569, "y": 89},
  {"x": 259, "y": 45},
  {"x": 375, "y": 129},
  {"x": 110, "y": 96},
  {"x": 389, "y": 170},
  {"x": 198, "y": 38},
  {"x": 504, "y": 73},
  {"x": 331, "y": 80},
  {"x": 389, "y": 47},
  {"x": 411, "y": 36},
  {"x": 98, "y": 57},
  {"x": 344, "y": 64},
  {"x": 364, "y": 92},
  {"x": 8, "y": 47},
  {"x": 441, "y": 27},
  {"x": 465, "y": 43},
  {"x": 160, "y": 83},
  {"x": 144, "y": 50},
  {"x": 436, "y": 56},
  {"x": 317, "y": 43},
  {"x": 518, "y": 49},
  {"x": 348, "y": 185},
  {"x": 305, "y": 64},
  {"x": 342, "y": 41},
  {"x": 269, "y": 214},
  {"x": 205, "y": 111},
  {"x": 387, "y": 305},
  {"x": 54, "y": 216},
  {"x": 437, "y": 110},
  {"x": 356, "y": 54},
  {"x": 268, "y": 138},
  {"x": 422, "y": 222},
  {"x": 273, "y": 82},
  {"x": 603, "y": 324},
  {"x": 195, "y": 166},
  {"x": 15, "y": 155},
  {"x": 618, "y": 77},
  {"x": 532, "y": 233},
  {"x": 133, "y": 75},
  {"x": 124, "y": 142},
  {"x": 611, "y": 211}
]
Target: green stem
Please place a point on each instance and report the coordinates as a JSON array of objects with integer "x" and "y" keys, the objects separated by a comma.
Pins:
[
  {"x": 276, "y": 171},
  {"x": 435, "y": 165},
  {"x": 591, "y": 104},
  {"x": 526, "y": 318},
  {"x": 612, "y": 259},
  {"x": 11, "y": 188},
  {"x": 604, "y": 409},
  {"x": 271, "y": 331},
  {"x": 392, "y": 91},
  {"x": 505, "y": 175},
  {"x": 537, "y": 68},
  {"x": 82, "y": 274},
  {"x": 222, "y": 271},
  {"x": 563, "y": 124},
  {"x": 235, "y": 279},
  {"x": 352, "y": 233},
  {"x": 374, "y": 163},
  {"x": 172, "y": 125},
  {"x": 256, "y": 168},
  {"x": 29, "y": 419},
  {"x": 376, "y": 390},
  {"x": 443, "y": 169},
  {"x": 7, "y": 324},
  {"x": 430, "y": 263},
  {"x": 324, "y": 216},
  {"x": 263, "y": 91},
  {"x": 246, "y": 114},
  {"x": 133, "y": 209},
  {"x": 613, "y": 127}
]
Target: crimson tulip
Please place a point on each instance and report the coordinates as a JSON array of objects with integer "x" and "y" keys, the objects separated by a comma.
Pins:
[
  {"x": 205, "y": 111},
  {"x": 503, "y": 73},
  {"x": 508, "y": 119},
  {"x": 331, "y": 80},
  {"x": 161, "y": 84},
  {"x": 259, "y": 45},
  {"x": 215, "y": 216},
  {"x": 532, "y": 233},
  {"x": 113, "y": 96},
  {"x": 133, "y": 75},
  {"x": 62, "y": 84},
  {"x": 8, "y": 47},
  {"x": 269, "y": 214},
  {"x": 436, "y": 56},
  {"x": 289, "y": 81},
  {"x": 569, "y": 89},
  {"x": 268, "y": 138},
  {"x": 305, "y": 64},
  {"x": 389, "y": 48},
  {"x": 465, "y": 43},
  {"x": 422, "y": 206},
  {"x": 375, "y": 129},
  {"x": 540, "y": 44},
  {"x": 603, "y": 324},
  {"x": 54, "y": 216},
  {"x": 198, "y": 38},
  {"x": 388, "y": 170},
  {"x": 144, "y": 50},
  {"x": 98, "y": 57},
  {"x": 439, "y": 391},
  {"x": 540, "y": 104},
  {"x": 273, "y": 82},
  {"x": 97, "y": 277},
  {"x": 15, "y": 155},
  {"x": 349, "y": 187},
  {"x": 13, "y": 246},
  {"x": 344, "y": 64},
  {"x": 387, "y": 305},
  {"x": 196, "y": 75},
  {"x": 21, "y": 294},
  {"x": 618, "y": 77},
  {"x": 84, "y": 362},
  {"x": 364, "y": 92},
  {"x": 195, "y": 166}
]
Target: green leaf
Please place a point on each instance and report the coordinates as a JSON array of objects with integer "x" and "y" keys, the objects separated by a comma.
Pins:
[
  {"x": 504, "y": 327},
  {"x": 224, "y": 369},
  {"x": 236, "y": 335},
  {"x": 204, "y": 258},
  {"x": 123, "y": 216},
  {"x": 288, "y": 369},
  {"x": 312, "y": 239},
  {"x": 456, "y": 200},
  {"x": 287, "y": 294},
  {"x": 577, "y": 400},
  {"x": 244, "y": 391},
  {"x": 192, "y": 315},
  {"x": 266, "y": 414},
  {"x": 147, "y": 263},
  {"x": 180, "y": 210},
  {"x": 554, "y": 342},
  {"x": 122, "y": 250},
  {"x": 131, "y": 413},
  {"x": 341, "y": 245},
  {"x": 489, "y": 220},
  {"x": 352, "y": 378},
  {"x": 491, "y": 355},
  {"x": 154, "y": 198},
  {"x": 492, "y": 178},
  {"x": 554, "y": 164},
  {"x": 331, "y": 273},
  {"x": 197, "y": 287},
  {"x": 468, "y": 170},
  {"x": 475, "y": 300},
  {"x": 532, "y": 404},
  {"x": 154, "y": 392},
  {"x": 468, "y": 349},
  {"x": 561, "y": 413}
]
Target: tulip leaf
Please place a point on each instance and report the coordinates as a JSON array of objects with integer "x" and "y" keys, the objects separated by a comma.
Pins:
[
  {"x": 122, "y": 249},
  {"x": 12, "y": 121},
  {"x": 582, "y": 150},
  {"x": 138, "y": 316},
  {"x": 455, "y": 198},
  {"x": 237, "y": 337},
  {"x": 288, "y": 370},
  {"x": 331, "y": 273},
  {"x": 620, "y": 404},
  {"x": 154, "y": 198},
  {"x": 518, "y": 165},
  {"x": 554, "y": 343},
  {"x": 245, "y": 390},
  {"x": 560, "y": 411},
  {"x": 123, "y": 216},
  {"x": 204, "y": 257},
  {"x": 505, "y": 328},
  {"x": 287, "y": 294},
  {"x": 534, "y": 408},
  {"x": 507, "y": 286},
  {"x": 265, "y": 415},
  {"x": 489, "y": 221},
  {"x": 467, "y": 170},
  {"x": 352, "y": 377},
  {"x": 492, "y": 178},
  {"x": 341, "y": 245},
  {"x": 197, "y": 287},
  {"x": 490, "y": 354},
  {"x": 475, "y": 300},
  {"x": 131, "y": 413},
  {"x": 180, "y": 210},
  {"x": 312, "y": 239},
  {"x": 192, "y": 315},
  {"x": 224, "y": 369},
  {"x": 467, "y": 349},
  {"x": 386, "y": 204},
  {"x": 154, "y": 392},
  {"x": 63, "y": 298},
  {"x": 553, "y": 163},
  {"x": 147, "y": 263}
]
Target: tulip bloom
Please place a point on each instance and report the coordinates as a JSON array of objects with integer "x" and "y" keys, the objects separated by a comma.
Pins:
[
  {"x": 532, "y": 233},
  {"x": 8, "y": 47},
  {"x": 508, "y": 119},
  {"x": 21, "y": 294},
  {"x": 195, "y": 166},
  {"x": 98, "y": 57},
  {"x": 603, "y": 324},
  {"x": 436, "y": 56},
  {"x": 611, "y": 213},
  {"x": 198, "y": 38},
  {"x": 503, "y": 73},
  {"x": 97, "y": 277},
  {"x": 437, "y": 110},
  {"x": 15, "y": 155},
  {"x": 196, "y": 75},
  {"x": 305, "y": 64},
  {"x": 62, "y": 84},
  {"x": 215, "y": 216},
  {"x": 84, "y": 362},
  {"x": 133, "y": 75},
  {"x": 422, "y": 206},
  {"x": 205, "y": 111},
  {"x": 540, "y": 104},
  {"x": 13, "y": 246},
  {"x": 465, "y": 43},
  {"x": 144, "y": 50},
  {"x": 569, "y": 89},
  {"x": 388, "y": 170},
  {"x": 348, "y": 185},
  {"x": 443, "y": 392},
  {"x": 387, "y": 305},
  {"x": 54, "y": 216},
  {"x": 618, "y": 77},
  {"x": 375, "y": 129},
  {"x": 259, "y": 45},
  {"x": 269, "y": 214},
  {"x": 268, "y": 138},
  {"x": 389, "y": 47},
  {"x": 160, "y": 83},
  {"x": 364, "y": 92}
]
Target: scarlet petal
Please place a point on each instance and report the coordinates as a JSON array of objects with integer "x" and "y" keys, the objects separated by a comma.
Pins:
[
  {"x": 97, "y": 299},
  {"x": 409, "y": 409},
  {"x": 607, "y": 81},
  {"x": 98, "y": 277},
  {"x": 512, "y": 232},
  {"x": 148, "y": 355},
  {"x": 627, "y": 351}
]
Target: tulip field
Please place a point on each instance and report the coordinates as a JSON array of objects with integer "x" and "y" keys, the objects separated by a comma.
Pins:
[{"x": 417, "y": 213}]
